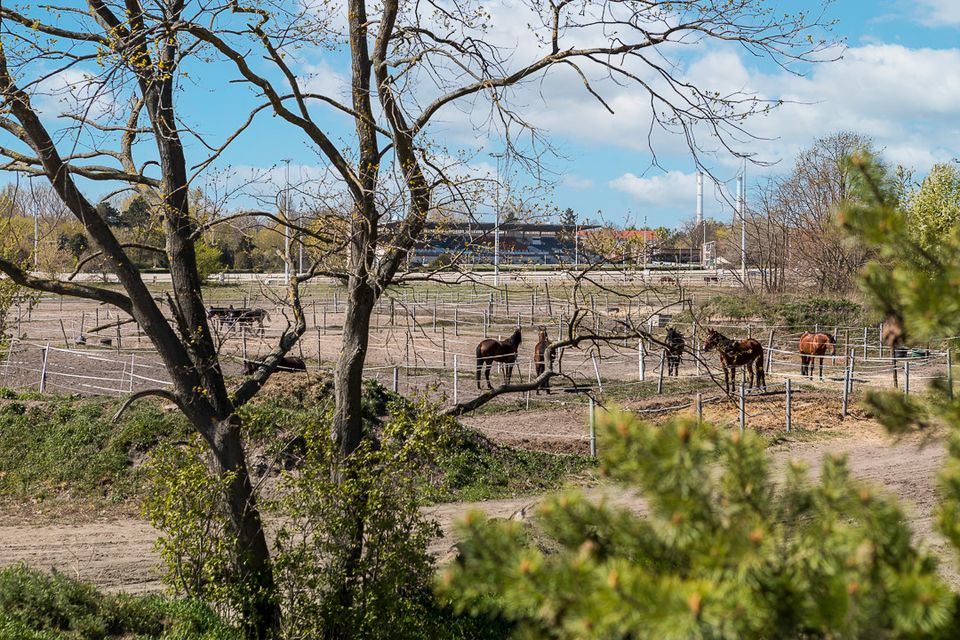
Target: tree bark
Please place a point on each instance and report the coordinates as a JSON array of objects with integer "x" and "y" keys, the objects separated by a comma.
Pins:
[
  {"x": 348, "y": 376},
  {"x": 259, "y": 610}
]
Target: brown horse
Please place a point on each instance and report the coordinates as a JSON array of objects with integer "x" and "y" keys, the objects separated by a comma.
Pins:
[
  {"x": 539, "y": 360},
  {"x": 815, "y": 346},
  {"x": 490, "y": 351},
  {"x": 736, "y": 353},
  {"x": 674, "y": 351}
]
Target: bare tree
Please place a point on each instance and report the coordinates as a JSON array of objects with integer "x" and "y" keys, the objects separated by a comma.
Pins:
[
  {"x": 409, "y": 62},
  {"x": 806, "y": 202}
]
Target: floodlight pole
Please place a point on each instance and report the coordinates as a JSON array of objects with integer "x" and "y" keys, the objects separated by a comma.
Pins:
[
  {"x": 743, "y": 226},
  {"x": 286, "y": 223},
  {"x": 496, "y": 226}
]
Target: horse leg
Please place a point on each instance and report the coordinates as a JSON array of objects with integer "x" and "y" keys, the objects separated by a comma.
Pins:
[
  {"x": 726, "y": 379},
  {"x": 821, "y": 367},
  {"x": 479, "y": 368}
]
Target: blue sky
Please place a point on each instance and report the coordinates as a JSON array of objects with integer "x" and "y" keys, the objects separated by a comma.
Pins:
[{"x": 898, "y": 81}]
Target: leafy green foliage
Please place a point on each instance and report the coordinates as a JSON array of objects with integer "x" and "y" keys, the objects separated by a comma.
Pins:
[
  {"x": 69, "y": 443},
  {"x": 933, "y": 210},
  {"x": 184, "y": 503},
  {"x": 352, "y": 553},
  {"x": 719, "y": 554},
  {"x": 37, "y": 606}
]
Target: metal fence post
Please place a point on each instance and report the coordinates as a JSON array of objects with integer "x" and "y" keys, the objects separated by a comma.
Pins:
[
  {"x": 641, "y": 356},
  {"x": 743, "y": 408},
  {"x": 396, "y": 380},
  {"x": 593, "y": 428},
  {"x": 660, "y": 378},
  {"x": 789, "y": 406},
  {"x": 699, "y": 406},
  {"x": 906, "y": 378},
  {"x": 456, "y": 377},
  {"x": 846, "y": 389},
  {"x": 43, "y": 369},
  {"x": 596, "y": 369},
  {"x": 949, "y": 376}
]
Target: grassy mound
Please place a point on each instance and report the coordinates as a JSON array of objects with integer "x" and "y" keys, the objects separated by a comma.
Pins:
[
  {"x": 792, "y": 311},
  {"x": 67, "y": 448}
]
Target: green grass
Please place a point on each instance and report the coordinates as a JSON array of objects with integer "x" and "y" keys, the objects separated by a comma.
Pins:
[
  {"x": 67, "y": 448},
  {"x": 39, "y": 606}
]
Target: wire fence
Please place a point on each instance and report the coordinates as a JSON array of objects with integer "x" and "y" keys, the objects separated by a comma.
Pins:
[{"x": 427, "y": 345}]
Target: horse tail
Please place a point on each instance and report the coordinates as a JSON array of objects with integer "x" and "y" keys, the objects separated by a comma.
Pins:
[
  {"x": 761, "y": 374},
  {"x": 479, "y": 364}
]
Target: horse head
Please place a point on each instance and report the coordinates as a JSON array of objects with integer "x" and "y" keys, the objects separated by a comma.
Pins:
[
  {"x": 542, "y": 335},
  {"x": 714, "y": 338}
]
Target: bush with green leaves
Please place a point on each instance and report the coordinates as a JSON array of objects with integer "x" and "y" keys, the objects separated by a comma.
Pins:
[
  {"x": 184, "y": 502},
  {"x": 39, "y": 606},
  {"x": 350, "y": 552},
  {"x": 720, "y": 554}
]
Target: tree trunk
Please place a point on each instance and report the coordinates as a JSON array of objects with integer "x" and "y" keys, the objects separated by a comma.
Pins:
[
  {"x": 259, "y": 609},
  {"x": 348, "y": 376}
]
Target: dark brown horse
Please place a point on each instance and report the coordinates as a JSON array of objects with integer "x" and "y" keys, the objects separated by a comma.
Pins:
[
  {"x": 539, "y": 359},
  {"x": 674, "y": 351},
  {"x": 815, "y": 346},
  {"x": 736, "y": 353},
  {"x": 490, "y": 351},
  {"x": 287, "y": 364}
]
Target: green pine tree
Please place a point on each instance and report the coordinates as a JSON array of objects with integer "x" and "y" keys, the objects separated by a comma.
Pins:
[{"x": 721, "y": 552}]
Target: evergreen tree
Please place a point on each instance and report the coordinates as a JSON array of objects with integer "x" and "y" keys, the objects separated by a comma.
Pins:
[
  {"x": 720, "y": 554},
  {"x": 110, "y": 214}
]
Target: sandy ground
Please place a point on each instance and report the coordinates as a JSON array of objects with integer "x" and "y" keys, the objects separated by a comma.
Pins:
[{"x": 116, "y": 552}]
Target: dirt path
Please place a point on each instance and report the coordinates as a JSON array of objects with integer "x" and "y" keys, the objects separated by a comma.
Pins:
[{"x": 117, "y": 554}]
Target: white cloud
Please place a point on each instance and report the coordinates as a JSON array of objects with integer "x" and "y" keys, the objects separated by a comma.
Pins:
[
  {"x": 674, "y": 190},
  {"x": 576, "y": 182},
  {"x": 324, "y": 79},
  {"x": 75, "y": 91},
  {"x": 938, "y": 13}
]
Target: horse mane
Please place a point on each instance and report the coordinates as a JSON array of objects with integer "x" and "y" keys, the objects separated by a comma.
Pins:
[{"x": 515, "y": 338}]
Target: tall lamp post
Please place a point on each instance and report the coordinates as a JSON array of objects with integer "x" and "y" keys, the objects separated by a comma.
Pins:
[
  {"x": 286, "y": 222},
  {"x": 496, "y": 226},
  {"x": 743, "y": 225}
]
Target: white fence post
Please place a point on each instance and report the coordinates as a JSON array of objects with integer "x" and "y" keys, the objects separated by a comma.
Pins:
[
  {"x": 641, "y": 356},
  {"x": 596, "y": 369},
  {"x": 133, "y": 357},
  {"x": 396, "y": 380},
  {"x": 43, "y": 369}
]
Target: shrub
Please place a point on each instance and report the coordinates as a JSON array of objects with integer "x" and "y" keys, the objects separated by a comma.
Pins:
[{"x": 38, "y": 606}]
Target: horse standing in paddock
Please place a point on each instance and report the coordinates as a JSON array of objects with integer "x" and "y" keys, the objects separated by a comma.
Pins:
[
  {"x": 674, "y": 351},
  {"x": 249, "y": 317},
  {"x": 736, "y": 353},
  {"x": 287, "y": 364},
  {"x": 815, "y": 345},
  {"x": 539, "y": 359},
  {"x": 490, "y": 351}
]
